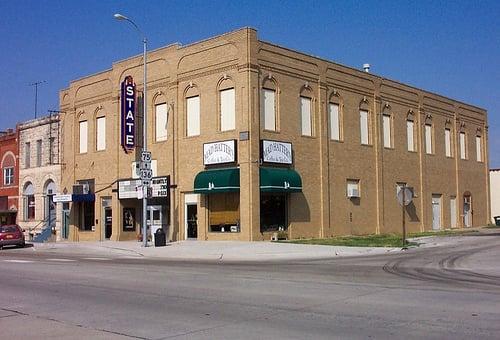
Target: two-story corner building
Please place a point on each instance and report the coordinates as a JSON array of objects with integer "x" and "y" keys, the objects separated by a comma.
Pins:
[
  {"x": 40, "y": 175},
  {"x": 248, "y": 138},
  {"x": 9, "y": 177}
]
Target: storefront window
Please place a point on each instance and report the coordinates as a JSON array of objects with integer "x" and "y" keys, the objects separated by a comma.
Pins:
[
  {"x": 273, "y": 212},
  {"x": 224, "y": 212},
  {"x": 87, "y": 216}
]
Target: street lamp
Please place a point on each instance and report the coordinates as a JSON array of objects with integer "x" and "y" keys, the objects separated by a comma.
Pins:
[{"x": 144, "y": 125}]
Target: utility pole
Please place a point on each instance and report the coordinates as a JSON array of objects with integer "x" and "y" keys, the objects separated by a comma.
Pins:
[{"x": 35, "y": 84}]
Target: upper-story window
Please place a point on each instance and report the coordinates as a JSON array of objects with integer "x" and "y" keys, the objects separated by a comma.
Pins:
[
  {"x": 335, "y": 121},
  {"x": 39, "y": 153},
  {"x": 364, "y": 127},
  {"x": 101, "y": 133},
  {"x": 193, "y": 116},
  {"x": 479, "y": 149},
  {"x": 161, "y": 122},
  {"x": 410, "y": 135},
  {"x": 269, "y": 109},
  {"x": 8, "y": 165},
  {"x": 386, "y": 127},
  {"x": 8, "y": 176},
  {"x": 447, "y": 142},
  {"x": 27, "y": 155},
  {"x": 463, "y": 145},
  {"x": 227, "y": 109},
  {"x": 428, "y": 138},
  {"x": 83, "y": 137},
  {"x": 306, "y": 116}
]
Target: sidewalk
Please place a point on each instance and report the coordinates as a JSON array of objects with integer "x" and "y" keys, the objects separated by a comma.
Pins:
[{"x": 211, "y": 250}]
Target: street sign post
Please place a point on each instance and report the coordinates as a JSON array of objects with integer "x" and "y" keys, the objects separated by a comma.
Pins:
[{"x": 404, "y": 196}]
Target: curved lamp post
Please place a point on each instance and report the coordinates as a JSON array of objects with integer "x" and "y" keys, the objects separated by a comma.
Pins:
[{"x": 118, "y": 16}]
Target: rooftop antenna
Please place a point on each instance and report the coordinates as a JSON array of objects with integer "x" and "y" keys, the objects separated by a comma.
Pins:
[
  {"x": 366, "y": 67},
  {"x": 35, "y": 84}
]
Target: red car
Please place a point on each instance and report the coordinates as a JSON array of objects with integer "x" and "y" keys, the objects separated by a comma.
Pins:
[{"x": 11, "y": 235}]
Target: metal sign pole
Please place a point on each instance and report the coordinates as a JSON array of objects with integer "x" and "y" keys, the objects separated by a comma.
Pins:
[{"x": 403, "y": 210}]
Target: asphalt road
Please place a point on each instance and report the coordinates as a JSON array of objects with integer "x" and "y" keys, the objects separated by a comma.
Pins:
[{"x": 450, "y": 292}]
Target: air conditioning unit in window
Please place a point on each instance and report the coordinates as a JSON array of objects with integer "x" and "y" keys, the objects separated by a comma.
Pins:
[
  {"x": 80, "y": 189},
  {"x": 352, "y": 193}
]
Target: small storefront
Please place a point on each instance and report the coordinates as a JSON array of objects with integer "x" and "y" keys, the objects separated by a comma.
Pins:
[{"x": 158, "y": 207}]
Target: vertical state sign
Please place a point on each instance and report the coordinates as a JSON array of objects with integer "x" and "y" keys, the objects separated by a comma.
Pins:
[{"x": 128, "y": 114}]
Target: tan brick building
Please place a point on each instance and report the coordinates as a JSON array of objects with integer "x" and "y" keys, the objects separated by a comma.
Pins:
[{"x": 256, "y": 138}]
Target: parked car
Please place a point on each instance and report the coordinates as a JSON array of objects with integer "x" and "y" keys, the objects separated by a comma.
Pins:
[{"x": 11, "y": 235}]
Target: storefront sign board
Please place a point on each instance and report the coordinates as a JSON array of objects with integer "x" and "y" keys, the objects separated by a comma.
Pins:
[
  {"x": 128, "y": 188},
  {"x": 277, "y": 152},
  {"x": 160, "y": 186},
  {"x": 219, "y": 152}
]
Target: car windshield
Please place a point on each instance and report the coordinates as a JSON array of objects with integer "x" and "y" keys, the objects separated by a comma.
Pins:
[{"x": 8, "y": 229}]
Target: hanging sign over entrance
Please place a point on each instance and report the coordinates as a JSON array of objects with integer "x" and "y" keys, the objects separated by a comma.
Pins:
[
  {"x": 128, "y": 102},
  {"x": 277, "y": 152},
  {"x": 219, "y": 152}
]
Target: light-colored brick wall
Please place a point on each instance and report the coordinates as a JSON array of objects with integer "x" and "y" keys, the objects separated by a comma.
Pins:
[
  {"x": 322, "y": 209},
  {"x": 44, "y": 129}
]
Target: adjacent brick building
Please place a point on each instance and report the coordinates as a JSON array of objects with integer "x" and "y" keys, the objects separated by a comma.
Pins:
[
  {"x": 254, "y": 138},
  {"x": 9, "y": 176},
  {"x": 39, "y": 175}
]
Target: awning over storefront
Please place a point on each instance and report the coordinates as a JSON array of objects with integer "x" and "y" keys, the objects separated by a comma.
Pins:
[
  {"x": 216, "y": 181},
  {"x": 279, "y": 180},
  {"x": 83, "y": 198}
]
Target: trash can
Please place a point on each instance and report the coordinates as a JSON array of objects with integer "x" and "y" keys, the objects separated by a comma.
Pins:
[
  {"x": 497, "y": 220},
  {"x": 160, "y": 238}
]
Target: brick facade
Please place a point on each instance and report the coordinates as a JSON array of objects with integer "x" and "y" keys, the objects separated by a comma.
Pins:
[
  {"x": 322, "y": 209},
  {"x": 9, "y": 187}
]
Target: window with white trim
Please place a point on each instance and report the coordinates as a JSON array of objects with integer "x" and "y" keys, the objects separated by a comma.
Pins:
[
  {"x": 305, "y": 115},
  {"x": 334, "y": 121},
  {"x": 353, "y": 190},
  {"x": 227, "y": 110},
  {"x": 447, "y": 142},
  {"x": 410, "y": 136},
  {"x": 386, "y": 125},
  {"x": 8, "y": 176},
  {"x": 161, "y": 121},
  {"x": 463, "y": 146},
  {"x": 268, "y": 109},
  {"x": 363, "y": 121},
  {"x": 83, "y": 130},
  {"x": 479, "y": 149},
  {"x": 428, "y": 138},
  {"x": 101, "y": 133},
  {"x": 193, "y": 116}
]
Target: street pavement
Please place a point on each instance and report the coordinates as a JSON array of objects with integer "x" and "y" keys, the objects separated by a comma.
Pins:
[{"x": 449, "y": 288}]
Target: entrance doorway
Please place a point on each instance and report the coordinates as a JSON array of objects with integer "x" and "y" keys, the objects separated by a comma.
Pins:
[
  {"x": 467, "y": 210},
  {"x": 436, "y": 212},
  {"x": 191, "y": 221},
  {"x": 157, "y": 218},
  {"x": 65, "y": 221},
  {"x": 108, "y": 222}
]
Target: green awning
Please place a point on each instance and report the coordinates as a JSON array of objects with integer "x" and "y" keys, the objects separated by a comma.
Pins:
[
  {"x": 216, "y": 181},
  {"x": 280, "y": 180}
]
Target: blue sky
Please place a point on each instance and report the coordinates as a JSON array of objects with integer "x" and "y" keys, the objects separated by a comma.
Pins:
[{"x": 448, "y": 47}]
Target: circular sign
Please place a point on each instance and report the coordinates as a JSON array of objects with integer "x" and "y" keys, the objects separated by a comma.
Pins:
[{"x": 408, "y": 196}]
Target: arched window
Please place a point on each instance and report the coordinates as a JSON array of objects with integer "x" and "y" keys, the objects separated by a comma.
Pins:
[
  {"x": 448, "y": 144},
  {"x": 8, "y": 166},
  {"x": 227, "y": 105},
  {"x": 29, "y": 201},
  {"x": 364, "y": 122},
  {"x": 428, "y": 134},
  {"x": 269, "y": 104},
  {"x": 335, "y": 116},
  {"x": 306, "y": 111},
  {"x": 160, "y": 117},
  {"x": 410, "y": 131},
  {"x": 192, "y": 96},
  {"x": 387, "y": 126}
]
